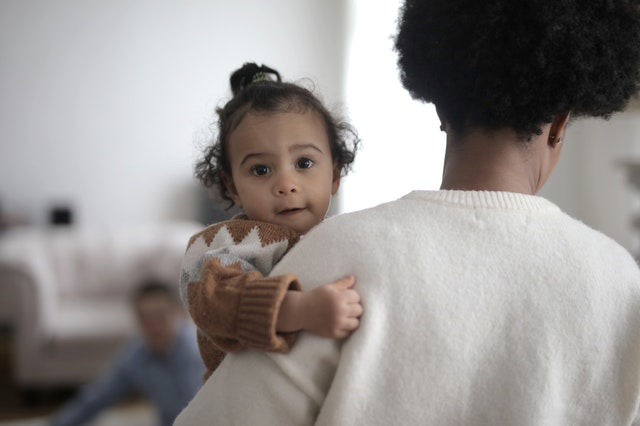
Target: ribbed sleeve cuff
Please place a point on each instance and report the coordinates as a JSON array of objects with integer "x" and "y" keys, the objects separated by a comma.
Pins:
[{"x": 258, "y": 313}]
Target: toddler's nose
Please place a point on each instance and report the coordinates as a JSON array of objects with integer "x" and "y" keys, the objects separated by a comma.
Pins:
[{"x": 285, "y": 185}]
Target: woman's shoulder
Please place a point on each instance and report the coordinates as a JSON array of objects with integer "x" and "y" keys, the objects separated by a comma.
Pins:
[
  {"x": 365, "y": 217},
  {"x": 590, "y": 247},
  {"x": 351, "y": 223}
]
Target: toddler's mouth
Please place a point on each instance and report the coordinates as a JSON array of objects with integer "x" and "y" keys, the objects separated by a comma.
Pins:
[{"x": 294, "y": 210}]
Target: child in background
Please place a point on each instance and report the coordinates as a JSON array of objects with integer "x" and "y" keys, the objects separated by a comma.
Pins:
[
  {"x": 161, "y": 363},
  {"x": 279, "y": 156}
]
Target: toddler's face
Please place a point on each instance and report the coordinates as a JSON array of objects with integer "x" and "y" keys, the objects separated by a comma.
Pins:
[{"x": 281, "y": 169}]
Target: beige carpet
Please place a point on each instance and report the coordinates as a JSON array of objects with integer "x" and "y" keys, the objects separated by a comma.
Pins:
[{"x": 130, "y": 415}]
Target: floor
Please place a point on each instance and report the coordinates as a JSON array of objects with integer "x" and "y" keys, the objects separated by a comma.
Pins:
[
  {"x": 33, "y": 409},
  {"x": 133, "y": 415}
]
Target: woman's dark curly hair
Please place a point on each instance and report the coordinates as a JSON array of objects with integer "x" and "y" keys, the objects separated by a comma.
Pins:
[
  {"x": 496, "y": 64},
  {"x": 259, "y": 89}
]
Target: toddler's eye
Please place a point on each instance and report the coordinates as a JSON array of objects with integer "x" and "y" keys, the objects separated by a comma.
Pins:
[
  {"x": 304, "y": 163},
  {"x": 260, "y": 170}
]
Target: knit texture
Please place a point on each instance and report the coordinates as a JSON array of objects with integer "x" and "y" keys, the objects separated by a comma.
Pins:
[
  {"x": 223, "y": 284},
  {"x": 481, "y": 308}
]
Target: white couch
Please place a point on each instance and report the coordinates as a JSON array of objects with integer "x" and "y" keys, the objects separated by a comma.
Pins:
[{"x": 65, "y": 294}]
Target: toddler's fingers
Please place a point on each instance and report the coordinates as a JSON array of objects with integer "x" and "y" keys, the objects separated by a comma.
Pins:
[
  {"x": 352, "y": 296},
  {"x": 351, "y": 324},
  {"x": 355, "y": 310},
  {"x": 341, "y": 334},
  {"x": 346, "y": 282}
]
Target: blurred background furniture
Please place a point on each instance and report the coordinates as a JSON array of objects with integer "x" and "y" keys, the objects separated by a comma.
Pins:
[{"x": 65, "y": 294}]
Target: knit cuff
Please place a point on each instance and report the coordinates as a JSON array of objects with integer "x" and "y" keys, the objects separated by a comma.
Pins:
[{"x": 258, "y": 313}]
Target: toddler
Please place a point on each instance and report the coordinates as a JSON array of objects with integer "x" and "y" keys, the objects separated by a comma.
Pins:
[{"x": 279, "y": 156}]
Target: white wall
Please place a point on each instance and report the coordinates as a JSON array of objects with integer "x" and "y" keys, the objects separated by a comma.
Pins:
[{"x": 104, "y": 104}]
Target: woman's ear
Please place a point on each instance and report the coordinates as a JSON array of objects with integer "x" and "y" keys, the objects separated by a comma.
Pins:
[
  {"x": 443, "y": 121},
  {"x": 554, "y": 144},
  {"x": 336, "y": 179},
  {"x": 558, "y": 128},
  {"x": 230, "y": 187}
]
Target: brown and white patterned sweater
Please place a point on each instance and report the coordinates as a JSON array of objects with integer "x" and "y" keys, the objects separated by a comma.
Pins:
[{"x": 225, "y": 284}]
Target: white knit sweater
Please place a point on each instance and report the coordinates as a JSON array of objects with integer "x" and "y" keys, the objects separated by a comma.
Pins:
[{"x": 481, "y": 308}]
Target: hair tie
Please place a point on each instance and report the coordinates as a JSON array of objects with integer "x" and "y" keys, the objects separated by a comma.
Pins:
[{"x": 260, "y": 76}]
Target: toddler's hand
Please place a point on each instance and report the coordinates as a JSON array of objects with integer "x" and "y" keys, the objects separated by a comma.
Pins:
[{"x": 332, "y": 310}]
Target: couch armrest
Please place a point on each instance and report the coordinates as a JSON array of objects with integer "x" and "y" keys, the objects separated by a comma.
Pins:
[
  {"x": 28, "y": 296},
  {"x": 26, "y": 302}
]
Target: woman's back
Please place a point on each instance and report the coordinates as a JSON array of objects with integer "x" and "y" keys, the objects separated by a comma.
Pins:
[{"x": 480, "y": 308}]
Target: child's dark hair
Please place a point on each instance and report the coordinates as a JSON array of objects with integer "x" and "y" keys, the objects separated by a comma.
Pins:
[
  {"x": 496, "y": 64},
  {"x": 258, "y": 88},
  {"x": 152, "y": 287}
]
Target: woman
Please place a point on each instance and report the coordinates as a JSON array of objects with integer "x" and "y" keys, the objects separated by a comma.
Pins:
[{"x": 485, "y": 304}]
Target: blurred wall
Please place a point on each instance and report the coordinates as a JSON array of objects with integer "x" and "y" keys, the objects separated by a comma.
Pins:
[
  {"x": 104, "y": 105},
  {"x": 590, "y": 183}
]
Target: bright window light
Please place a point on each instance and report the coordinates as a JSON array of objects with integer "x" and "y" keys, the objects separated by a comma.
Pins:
[{"x": 402, "y": 146}]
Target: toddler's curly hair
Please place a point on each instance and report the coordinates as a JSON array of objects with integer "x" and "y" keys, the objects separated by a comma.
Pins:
[{"x": 260, "y": 89}]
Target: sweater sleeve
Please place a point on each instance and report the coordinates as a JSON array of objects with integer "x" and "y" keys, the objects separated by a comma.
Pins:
[
  {"x": 238, "y": 309},
  {"x": 224, "y": 284}
]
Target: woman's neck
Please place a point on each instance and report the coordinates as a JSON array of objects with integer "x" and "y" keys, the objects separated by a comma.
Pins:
[{"x": 496, "y": 161}]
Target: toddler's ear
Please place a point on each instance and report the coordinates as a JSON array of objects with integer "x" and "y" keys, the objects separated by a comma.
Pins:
[
  {"x": 337, "y": 171},
  {"x": 231, "y": 189}
]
